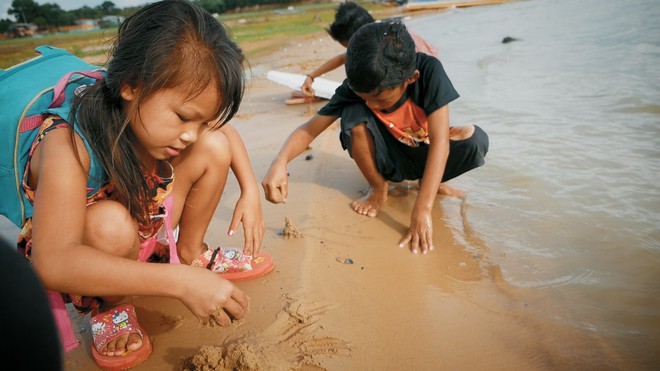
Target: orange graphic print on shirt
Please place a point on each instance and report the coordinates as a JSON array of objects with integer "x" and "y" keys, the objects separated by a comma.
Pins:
[{"x": 408, "y": 123}]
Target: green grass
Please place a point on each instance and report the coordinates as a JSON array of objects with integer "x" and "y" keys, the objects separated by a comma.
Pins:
[
  {"x": 82, "y": 44},
  {"x": 247, "y": 28},
  {"x": 271, "y": 25}
]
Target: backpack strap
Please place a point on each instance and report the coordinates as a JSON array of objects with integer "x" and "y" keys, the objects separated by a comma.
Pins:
[
  {"x": 58, "y": 91},
  {"x": 33, "y": 122},
  {"x": 174, "y": 256}
]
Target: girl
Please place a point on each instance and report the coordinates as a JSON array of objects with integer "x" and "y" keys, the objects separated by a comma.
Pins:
[{"x": 174, "y": 80}]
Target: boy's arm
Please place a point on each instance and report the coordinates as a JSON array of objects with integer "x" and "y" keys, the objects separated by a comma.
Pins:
[
  {"x": 326, "y": 67},
  {"x": 248, "y": 207},
  {"x": 275, "y": 182},
  {"x": 420, "y": 233}
]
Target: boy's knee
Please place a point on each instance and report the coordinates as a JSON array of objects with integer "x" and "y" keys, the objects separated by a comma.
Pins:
[
  {"x": 470, "y": 136},
  {"x": 109, "y": 227},
  {"x": 361, "y": 135},
  {"x": 480, "y": 140},
  {"x": 461, "y": 132}
]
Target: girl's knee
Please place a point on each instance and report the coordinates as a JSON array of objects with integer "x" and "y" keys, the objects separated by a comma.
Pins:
[
  {"x": 213, "y": 148},
  {"x": 110, "y": 228}
]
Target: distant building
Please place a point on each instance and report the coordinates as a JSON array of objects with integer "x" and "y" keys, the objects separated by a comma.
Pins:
[
  {"x": 86, "y": 24},
  {"x": 113, "y": 19},
  {"x": 22, "y": 30},
  {"x": 78, "y": 26}
]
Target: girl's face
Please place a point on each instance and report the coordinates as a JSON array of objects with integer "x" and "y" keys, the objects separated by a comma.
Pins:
[{"x": 169, "y": 120}]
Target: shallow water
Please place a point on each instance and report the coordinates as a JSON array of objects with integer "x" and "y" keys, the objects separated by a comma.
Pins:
[{"x": 568, "y": 203}]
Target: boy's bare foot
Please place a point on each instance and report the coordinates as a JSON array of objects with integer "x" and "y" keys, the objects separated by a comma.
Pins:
[
  {"x": 401, "y": 189},
  {"x": 370, "y": 204},
  {"x": 446, "y": 190}
]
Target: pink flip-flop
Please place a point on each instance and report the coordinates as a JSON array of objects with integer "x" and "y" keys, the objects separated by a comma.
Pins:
[
  {"x": 233, "y": 265},
  {"x": 109, "y": 325}
]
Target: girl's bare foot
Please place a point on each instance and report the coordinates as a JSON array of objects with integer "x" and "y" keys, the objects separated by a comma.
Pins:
[
  {"x": 370, "y": 204},
  {"x": 122, "y": 344},
  {"x": 187, "y": 254}
]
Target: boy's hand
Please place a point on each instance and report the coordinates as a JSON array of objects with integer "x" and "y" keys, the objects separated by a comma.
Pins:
[
  {"x": 276, "y": 183},
  {"x": 420, "y": 233},
  {"x": 306, "y": 87}
]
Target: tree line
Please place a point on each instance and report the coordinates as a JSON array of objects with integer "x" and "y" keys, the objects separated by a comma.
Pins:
[{"x": 50, "y": 15}]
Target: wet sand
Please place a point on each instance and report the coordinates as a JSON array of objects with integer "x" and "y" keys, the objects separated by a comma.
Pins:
[{"x": 344, "y": 296}]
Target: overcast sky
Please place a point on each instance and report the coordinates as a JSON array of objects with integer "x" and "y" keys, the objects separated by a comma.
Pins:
[{"x": 72, "y": 4}]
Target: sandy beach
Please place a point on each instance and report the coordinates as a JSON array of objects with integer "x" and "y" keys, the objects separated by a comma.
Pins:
[
  {"x": 343, "y": 295},
  {"x": 549, "y": 264}
]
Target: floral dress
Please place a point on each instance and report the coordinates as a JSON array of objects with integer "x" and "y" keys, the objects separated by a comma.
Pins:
[{"x": 160, "y": 181}]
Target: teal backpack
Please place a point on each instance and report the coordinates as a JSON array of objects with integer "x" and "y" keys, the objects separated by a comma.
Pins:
[{"x": 28, "y": 92}]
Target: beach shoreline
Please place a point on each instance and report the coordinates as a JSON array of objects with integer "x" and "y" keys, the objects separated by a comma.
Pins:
[
  {"x": 549, "y": 263},
  {"x": 386, "y": 309}
]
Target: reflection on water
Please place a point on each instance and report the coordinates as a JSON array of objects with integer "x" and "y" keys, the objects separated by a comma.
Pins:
[{"x": 568, "y": 204}]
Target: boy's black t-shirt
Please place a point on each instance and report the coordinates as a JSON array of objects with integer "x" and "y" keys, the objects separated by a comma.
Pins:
[{"x": 408, "y": 120}]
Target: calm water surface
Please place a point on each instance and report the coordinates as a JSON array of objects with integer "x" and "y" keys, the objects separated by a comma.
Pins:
[{"x": 568, "y": 203}]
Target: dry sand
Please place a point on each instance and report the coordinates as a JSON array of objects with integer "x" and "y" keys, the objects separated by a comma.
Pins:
[{"x": 346, "y": 297}]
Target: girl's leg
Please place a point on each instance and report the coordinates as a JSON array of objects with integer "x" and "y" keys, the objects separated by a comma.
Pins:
[
  {"x": 363, "y": 153},
  {"x": 110, "y": 228},
  {"x": 200, "y": 173}
]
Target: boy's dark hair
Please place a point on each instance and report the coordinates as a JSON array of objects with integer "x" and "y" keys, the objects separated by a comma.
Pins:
[
  {"x": 380, "y": 56},
  {"x": 348, "y": 19}
]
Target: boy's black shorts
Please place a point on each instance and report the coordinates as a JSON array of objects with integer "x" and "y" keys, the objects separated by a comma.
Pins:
[{"x": 397, "y": 162}]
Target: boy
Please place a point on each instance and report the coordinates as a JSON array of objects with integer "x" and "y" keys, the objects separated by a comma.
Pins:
[
  {"x": 395, "y": 125},
  {"x": 348, "y": 19}
]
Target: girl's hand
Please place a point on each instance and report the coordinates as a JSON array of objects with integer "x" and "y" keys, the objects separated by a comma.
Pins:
[
  {"x": 211, "y": 297},
  {"x": 420, "y": 233},
  {"x": 248, "y": 211}
]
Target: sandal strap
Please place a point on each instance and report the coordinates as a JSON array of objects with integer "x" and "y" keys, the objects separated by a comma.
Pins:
[
  {"x": 213, "y": 257},
  {"x": 109, "y": 325}
]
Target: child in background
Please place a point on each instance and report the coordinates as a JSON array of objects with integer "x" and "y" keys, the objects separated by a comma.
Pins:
[
  {"x": 348, "y": 19},
  {"x": 395, "y": 125},
  {"x": 98, "y": 182}
]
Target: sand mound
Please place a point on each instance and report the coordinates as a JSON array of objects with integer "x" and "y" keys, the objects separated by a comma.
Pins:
[
  {"x": 290, "y": 231},
  {"x": 288, "y": 343}
]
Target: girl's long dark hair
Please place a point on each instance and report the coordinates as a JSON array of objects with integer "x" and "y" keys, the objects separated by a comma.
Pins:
[{"x": 167, "y": 44}]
